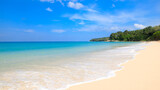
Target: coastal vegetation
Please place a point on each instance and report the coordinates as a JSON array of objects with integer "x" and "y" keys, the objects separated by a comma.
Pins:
[
  {"x": 100, "y": 39},
  {"x": 147, "y": 34}
]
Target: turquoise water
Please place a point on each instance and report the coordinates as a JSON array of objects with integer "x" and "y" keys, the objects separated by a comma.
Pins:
[
  {"x": 55, "y": 61},
  {"x": 13, "y": 50},
  {"x": 26, "y": 46},
  {"x": 14, "y": 54}
]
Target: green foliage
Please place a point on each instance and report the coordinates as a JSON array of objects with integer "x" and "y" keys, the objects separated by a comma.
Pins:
[
  {"x": 155, "y": 36},
  {"x": 100, "y": 39},
  {"x": 148, "y": 33}
]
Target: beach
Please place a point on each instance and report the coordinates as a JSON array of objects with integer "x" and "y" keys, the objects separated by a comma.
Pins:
[
  {"x": 141, "y": 73},
  {"x": 80, "y": 45}
]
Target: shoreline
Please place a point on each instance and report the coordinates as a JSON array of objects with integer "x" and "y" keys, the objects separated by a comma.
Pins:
[
  {"x": 99, "y": 63},
  {"x": 111, "y": 73},
  {"x": 101, "y": 84},
  {"x": 135, "y": 47}
]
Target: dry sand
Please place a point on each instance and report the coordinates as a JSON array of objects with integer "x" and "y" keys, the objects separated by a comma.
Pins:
[{"x": 142, "y": 73}]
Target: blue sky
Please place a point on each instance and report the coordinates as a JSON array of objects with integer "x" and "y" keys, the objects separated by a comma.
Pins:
[{"x": 73, "y": 20}]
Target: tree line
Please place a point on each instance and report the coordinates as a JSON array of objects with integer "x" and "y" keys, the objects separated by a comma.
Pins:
[{"x": 147, "y": 34}]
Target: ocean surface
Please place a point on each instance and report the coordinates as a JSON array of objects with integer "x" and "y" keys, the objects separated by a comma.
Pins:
[{"x": 57, "y": 65}]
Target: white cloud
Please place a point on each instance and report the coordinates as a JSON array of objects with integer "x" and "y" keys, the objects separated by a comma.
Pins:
[
  {"x": 49, "y": 9},
  {"x": 58, "y": 31},
  {"x": 139, "y": 26},
  {"x": 80, "y": 6},
  {"x": 72, "y": 4},
  {"x": 29, "y": 30},
  {"x": 50, "y": 1},
  {"x": 119, "y": 20},
  {"x": 75, "y": 5}
]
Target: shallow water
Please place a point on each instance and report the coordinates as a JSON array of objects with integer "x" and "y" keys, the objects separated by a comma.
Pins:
[{"x": 55, "y": 65}]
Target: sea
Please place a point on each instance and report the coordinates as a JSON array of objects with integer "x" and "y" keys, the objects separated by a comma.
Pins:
[{"x": 58, "y": 65}]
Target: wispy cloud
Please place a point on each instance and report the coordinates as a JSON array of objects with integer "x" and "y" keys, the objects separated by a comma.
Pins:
[
  {"x": 50, "y": 1},
  {"x": 120, "y": 28},
  {"x": 49, "y": 9},
  {"x": 82, "y": 23},
  {"x": 139, "y": 26},
  {"x": 104, "y": 18},
  {"x": 113, "y": 5},
  {"x": 90, "y": 10},
  {"x": 61, "y": 2},
  {"x": 53, "y": 1},
  {"x": 97, "y": 28},
  {"x": 58, "y": 31},
  {"x": 106, "y": 21},
  {"x": 29, "y": 30},
  {"x": 102, "y": 21}
]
